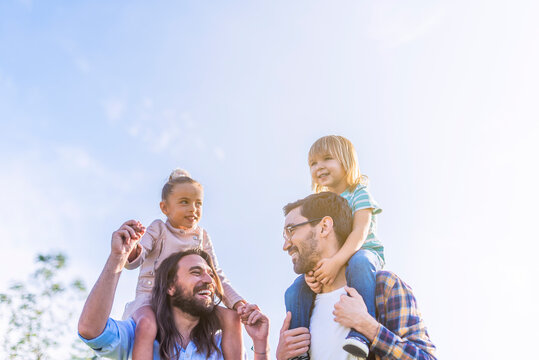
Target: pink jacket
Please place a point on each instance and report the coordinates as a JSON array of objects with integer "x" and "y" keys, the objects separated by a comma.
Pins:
[{"x": 161, "y": 240}]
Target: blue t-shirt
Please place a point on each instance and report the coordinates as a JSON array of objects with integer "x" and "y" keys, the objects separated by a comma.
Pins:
[
  {"x": 116, "y": 342},
  {"x": 359, "y": 199}
]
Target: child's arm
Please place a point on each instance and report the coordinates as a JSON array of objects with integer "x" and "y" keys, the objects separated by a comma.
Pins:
[
  {"x": 232, "y": 341},
  {"x": 230, "y": 297},
  {"x": 238, "y": 305},
  {"x": 326, "y": 270}
]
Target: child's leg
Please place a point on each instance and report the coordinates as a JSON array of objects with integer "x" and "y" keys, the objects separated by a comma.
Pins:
[
  {"x": 361, "y": 275},
  {"x": 145, "y": 333},
  {"x": 231, "y": 343},
  {"x": 299, "y": 299}
]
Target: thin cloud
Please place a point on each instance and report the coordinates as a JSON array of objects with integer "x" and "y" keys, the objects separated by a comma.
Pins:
[
  {"x": 114, "y": 109},
  {"x": 82, "y": 64},
  {"x": 79, "y": 158},
  {"x": 219, "y": 153},
  {"x": 394, "y": 24},
  {"x": 28, "y": 4}
]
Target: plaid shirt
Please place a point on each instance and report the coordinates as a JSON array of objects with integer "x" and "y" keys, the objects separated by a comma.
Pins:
[{"x": 402, "y": 334}]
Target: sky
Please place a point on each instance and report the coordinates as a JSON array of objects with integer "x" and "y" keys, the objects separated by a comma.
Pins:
[{"x": 100, "y": 100}]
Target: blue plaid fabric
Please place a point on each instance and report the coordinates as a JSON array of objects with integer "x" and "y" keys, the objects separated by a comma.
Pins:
[{"x": 402, "y": 334}]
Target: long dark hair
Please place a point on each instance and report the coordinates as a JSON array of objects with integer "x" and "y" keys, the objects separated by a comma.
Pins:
[{"x": 168, "y": 336}]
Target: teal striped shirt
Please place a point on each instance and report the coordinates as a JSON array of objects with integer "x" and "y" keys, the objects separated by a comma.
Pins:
[{"x": 359, "y": 199}]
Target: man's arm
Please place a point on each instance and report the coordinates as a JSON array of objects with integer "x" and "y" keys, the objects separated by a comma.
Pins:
[
  {"x": 96, "y": 311},
  {"x": 257, "y": 326},
  {"x": 410, "y": 341}
]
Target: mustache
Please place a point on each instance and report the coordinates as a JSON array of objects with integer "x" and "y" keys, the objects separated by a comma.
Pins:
[
  {"x": 197, "y": 288},
  {"x": 292, "y": 249}
]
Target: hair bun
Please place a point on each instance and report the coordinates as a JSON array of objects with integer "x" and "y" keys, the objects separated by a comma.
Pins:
[{"x": 178, "y": 173}]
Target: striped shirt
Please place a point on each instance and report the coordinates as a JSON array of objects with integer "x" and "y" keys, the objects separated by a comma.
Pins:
[
  {"x": 402, "y": 333},
  {"x": 360, "y": 199}
]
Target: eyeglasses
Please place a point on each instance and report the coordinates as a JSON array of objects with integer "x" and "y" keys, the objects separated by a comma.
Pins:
[{"x": 287, "y": 231}]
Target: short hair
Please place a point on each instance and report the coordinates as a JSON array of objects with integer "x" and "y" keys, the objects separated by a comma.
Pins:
[{"x": 326, "y": 204}]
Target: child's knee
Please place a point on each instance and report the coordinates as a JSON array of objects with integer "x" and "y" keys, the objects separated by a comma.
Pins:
[
  {"x": 363, "y": 260},
  {"x": 146, "y": 324}
]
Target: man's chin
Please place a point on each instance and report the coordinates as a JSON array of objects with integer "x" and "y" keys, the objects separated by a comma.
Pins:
[
  {"x": 192, "y": 305},
  {"x": 298, "y": 269}
]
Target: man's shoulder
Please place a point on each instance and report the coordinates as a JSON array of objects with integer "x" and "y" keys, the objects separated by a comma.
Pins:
[
  {"x": 115, "y": 338},
  {"x": 386, "y": 276},
  {"x": 387, "y": 282}
]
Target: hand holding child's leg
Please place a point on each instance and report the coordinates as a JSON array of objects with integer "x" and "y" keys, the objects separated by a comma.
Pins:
[
  {"x": 145, "y": 333},
  {"x": 299, "y": 299},
  {"x": 361, "y": 275}
]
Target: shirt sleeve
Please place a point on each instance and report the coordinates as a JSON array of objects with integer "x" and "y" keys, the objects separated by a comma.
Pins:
[
  {"x": 404, "y": 335},
  {"x": 148, "y": 242},
  {"x": 230, "y": 296},
  {"x": 362, "y": 199},
  {"x": 116, "y": 340}
]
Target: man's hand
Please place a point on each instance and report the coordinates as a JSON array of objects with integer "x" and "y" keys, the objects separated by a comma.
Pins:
[
  {"x": 292, "y": 342},
  {"x": 326, "y": 270},
  {"x": 315, "y": 286},
  {"x": 257, "y": 326},
  {"x": 352, "y": 312},
  {"x": 126, "y": 237}
]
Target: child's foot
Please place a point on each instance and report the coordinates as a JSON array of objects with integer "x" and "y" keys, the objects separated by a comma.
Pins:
[
  {"x": 304, "y": 356},
  {"x": 356, "y": 346}
]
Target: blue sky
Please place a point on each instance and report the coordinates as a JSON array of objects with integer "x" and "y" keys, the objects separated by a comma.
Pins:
[{"x": 99, "y": 101}]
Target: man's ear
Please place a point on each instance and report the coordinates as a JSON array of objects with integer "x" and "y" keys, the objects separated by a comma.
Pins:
[
  {"x": 171, "y": 291},
  {"x": 326, "y": 225}
]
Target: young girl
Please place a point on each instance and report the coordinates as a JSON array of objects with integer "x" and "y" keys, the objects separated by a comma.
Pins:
[
  {"x": 181, "y": 202},
  {"x": 334, "y": 167}
]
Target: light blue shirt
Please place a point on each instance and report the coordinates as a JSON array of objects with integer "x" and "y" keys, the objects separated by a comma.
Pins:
[{"x": 116, "y": 342}]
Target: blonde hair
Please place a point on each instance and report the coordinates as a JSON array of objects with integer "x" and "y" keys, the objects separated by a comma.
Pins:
[{"x": 341, "y": 149}]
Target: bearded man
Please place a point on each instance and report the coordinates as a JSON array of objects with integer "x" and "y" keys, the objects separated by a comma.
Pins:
[
  {"x": 184, "y": 299},
  {"x": 315, "y": 228}
]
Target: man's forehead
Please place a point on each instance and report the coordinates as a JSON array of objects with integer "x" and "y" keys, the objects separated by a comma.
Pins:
[
  {"x": 189, "y": 261},
  {"x": 294, "y": 217}
]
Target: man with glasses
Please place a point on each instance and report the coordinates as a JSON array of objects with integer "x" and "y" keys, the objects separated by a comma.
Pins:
[{"x": 315, "y": 228}]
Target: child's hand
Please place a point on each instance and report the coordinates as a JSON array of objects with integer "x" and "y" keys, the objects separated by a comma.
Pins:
[
  {"x": 238, "y": 306},
  {"x": 315, "y": 286},
  {"x": 245, "y": 310},
  {"x": 326, "y": 271}
]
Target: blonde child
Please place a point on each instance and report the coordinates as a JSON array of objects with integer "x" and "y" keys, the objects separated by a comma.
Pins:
[
  {"x": 181, "y": 202},
  {"x": 334, "y": 167}
]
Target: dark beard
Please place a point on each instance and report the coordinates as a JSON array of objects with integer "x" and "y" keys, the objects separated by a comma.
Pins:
[
  {"x": 309, "y": 257},
  {"x": 189, "y": 304}
]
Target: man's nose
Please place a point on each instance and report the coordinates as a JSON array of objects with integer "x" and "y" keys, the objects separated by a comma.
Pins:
[
  {"x": 286, "y": 244},
  {"x": 207, "y": 278}
]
